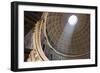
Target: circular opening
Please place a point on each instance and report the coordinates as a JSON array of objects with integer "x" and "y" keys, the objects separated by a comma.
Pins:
[{"x": 72, "y": 20}]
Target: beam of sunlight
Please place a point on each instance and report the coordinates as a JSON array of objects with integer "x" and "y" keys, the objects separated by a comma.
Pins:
[{"x": 66, "y": 36}]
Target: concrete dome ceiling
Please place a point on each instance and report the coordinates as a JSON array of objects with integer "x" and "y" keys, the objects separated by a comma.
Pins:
[{"x": 56, "y": 38}]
